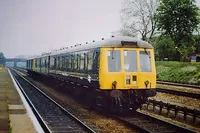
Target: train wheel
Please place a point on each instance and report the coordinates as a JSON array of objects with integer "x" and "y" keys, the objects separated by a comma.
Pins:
[{"x": 116, "y": 106}]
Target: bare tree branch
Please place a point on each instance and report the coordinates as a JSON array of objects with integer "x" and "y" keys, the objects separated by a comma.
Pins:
[{"x": 139, "y": 16}]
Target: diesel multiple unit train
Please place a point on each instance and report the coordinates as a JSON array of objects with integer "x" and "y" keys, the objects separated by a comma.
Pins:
[{"x": 115, "y": 74}]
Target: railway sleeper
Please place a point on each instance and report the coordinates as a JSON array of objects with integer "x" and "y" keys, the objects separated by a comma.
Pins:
[{"x": 177, "y": 109}]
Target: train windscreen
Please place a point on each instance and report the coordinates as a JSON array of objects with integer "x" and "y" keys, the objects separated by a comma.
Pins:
[
  {"x": 145, "y": 61},
  {"x": 114, "y": 60},
  {"x": 130, "y": 61}
]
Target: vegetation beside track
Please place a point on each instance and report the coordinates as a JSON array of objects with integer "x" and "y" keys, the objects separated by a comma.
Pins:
[{"x": 181, "y": 72}]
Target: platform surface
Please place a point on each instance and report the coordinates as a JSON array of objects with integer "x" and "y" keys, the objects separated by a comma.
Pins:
[{"x": 13, "y": 115}]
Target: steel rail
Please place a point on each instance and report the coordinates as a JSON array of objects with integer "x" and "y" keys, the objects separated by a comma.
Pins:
[
  {"x": 42, "y": 94},
  {"x": 151, "y": 124},
  {"x": 36, "y": 113},
  {"x": 178, "y": 84},
  {"x": 179, "y": 93}
]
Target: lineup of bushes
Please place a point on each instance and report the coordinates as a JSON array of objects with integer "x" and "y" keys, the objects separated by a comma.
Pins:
[{"x": 182, "y": 72}]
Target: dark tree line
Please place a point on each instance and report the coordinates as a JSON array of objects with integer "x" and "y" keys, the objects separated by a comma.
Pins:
[{"x": 2, "y": 59}]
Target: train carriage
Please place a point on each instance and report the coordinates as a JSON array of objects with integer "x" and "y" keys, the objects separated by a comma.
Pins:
[{"x": 119, "y": 73}]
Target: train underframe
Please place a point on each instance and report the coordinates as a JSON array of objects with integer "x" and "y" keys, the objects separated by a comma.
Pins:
[
  {"x": 122, "y": 101},
  {"x": 114, "y": 101}
]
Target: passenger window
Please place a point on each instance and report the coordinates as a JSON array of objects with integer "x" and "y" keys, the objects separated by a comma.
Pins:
[
  {"x": 85, "y": 61},
  {"x": 81, "y": 61},
  {"x": 78, "y": 61},
  {"x": 36, "y": 63},
  {"x": 45, "y": 63},
  {"x": 55, "y": 62},
  {"x": 114, "y": 60},
  {"x": 130, "y": 61},
  {"x": 67, "y": 61},
  {"x": 90, "y": 60},
  {"x": 70, "y": 62},
  {"x": 60, "y": 61},
  {"x": 75, "y": 62},
  {"x": 145, "y": 61},
  {"x": 63, "y": 62}
]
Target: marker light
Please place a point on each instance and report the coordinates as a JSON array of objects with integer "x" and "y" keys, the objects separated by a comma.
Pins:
[
  {"x": 134, "y": 80},
  {"x": 128, "y": 80}
]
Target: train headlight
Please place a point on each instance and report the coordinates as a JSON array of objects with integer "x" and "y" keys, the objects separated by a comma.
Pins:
[{"x": 128, "y": 78}]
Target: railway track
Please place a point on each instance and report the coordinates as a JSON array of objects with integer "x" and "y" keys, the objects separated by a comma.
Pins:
[
  {"x": 51, "y": 116},
  {"x": 22, "y": 70},
  {"x": 179, "y": 93},
  {"x": 178, "y": 84},
  {"x": 150, "y": 124},
  {"x": 145, "y": 123}
]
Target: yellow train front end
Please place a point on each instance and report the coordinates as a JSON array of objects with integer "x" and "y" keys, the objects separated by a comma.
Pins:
[
  {"x": 128, "y": 74},
  {"x": 128, "y": 68}
]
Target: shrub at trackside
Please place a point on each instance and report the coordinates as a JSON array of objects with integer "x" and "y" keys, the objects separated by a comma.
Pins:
[{"x": 181, "y": 72}]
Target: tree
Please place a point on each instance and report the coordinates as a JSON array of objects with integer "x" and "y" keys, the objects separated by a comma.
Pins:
[
  {"x": 178, "y": 19},
  {"x": 137, "y": 17},
  {"x": 2, "y": 59},
  {"x": 164, "y": 47}
]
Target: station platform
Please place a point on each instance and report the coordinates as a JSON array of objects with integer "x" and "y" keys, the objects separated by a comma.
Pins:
[{"x": 14, "y": 117}]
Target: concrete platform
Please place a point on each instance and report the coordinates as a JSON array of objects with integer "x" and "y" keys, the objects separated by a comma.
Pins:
[{"x": 13, "y": 114}]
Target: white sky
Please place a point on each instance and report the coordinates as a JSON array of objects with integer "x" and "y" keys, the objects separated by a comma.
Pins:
[{"x": 30, "y": 27}]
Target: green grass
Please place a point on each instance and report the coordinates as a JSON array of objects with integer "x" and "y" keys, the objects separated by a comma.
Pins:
[{"x": 183, "y": 72}]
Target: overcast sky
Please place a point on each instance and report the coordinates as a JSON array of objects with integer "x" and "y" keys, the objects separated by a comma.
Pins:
[{"x": 30, "y": 27}]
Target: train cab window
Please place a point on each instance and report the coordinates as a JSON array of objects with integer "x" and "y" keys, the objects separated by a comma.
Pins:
[
  {"x": 145, "y": 61},
  {"x": 114, "y": 60},
  {"x": 130, "y": 61}
]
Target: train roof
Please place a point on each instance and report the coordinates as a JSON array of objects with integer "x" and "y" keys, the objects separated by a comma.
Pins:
[{"x": 119, "y": 41}]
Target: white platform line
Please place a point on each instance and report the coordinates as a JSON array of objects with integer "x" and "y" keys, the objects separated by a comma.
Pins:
[{"x": 34, "y": 120}]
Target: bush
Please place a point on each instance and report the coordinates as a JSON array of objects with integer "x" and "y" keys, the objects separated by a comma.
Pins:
[{"x": 182, "y": 72}]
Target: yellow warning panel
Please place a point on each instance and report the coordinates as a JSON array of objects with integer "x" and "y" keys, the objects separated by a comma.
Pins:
[{"x": 1, "y": 67}]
